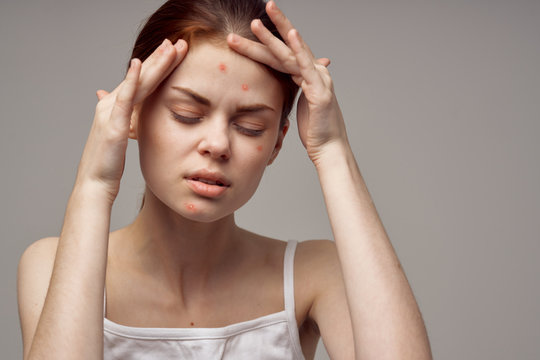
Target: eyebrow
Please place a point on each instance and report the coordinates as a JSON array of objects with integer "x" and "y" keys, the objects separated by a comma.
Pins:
[
  {"x": 204, "y": 101},
  {"x": 198, "y": 98}
]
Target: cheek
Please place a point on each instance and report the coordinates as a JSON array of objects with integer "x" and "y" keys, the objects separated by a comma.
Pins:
[
  {"x": 254, "y": 157},
  {"x": 159, "y": 148}
]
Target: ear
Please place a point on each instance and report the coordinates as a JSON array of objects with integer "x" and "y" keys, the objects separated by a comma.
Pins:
[
  {"x": 279, "y": 142},
  {"x": 134, "y": 122}
]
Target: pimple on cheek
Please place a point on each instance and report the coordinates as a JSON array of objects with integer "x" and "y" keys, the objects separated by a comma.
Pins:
[
  {"x": 222, "y": 67},
  {"x": 245, "y": 87},
  {"x": 259, "y": 148}
]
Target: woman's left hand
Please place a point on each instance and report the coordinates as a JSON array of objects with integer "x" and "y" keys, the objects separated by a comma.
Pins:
[{"x": 320, "y": 122}]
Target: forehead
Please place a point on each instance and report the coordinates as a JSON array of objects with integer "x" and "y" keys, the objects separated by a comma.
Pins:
[{"x": 218, "y": 72}]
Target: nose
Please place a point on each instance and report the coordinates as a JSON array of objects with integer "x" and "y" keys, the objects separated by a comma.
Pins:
[{"x": 215, "y": 140}]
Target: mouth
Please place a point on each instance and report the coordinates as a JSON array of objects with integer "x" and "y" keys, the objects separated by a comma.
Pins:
[
  {"x": 207, "y": 181},
  {"x": 210, "y": 178},
  {"x": 208, "y": 184}
]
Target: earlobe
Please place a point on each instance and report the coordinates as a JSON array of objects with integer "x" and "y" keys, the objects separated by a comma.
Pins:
[{"x": 279, "y": 142}]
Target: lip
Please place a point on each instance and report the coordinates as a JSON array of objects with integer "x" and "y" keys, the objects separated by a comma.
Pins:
[{"x": 206, "y": 183}]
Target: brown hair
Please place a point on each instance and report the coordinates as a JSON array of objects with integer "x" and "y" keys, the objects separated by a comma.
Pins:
[{"x": 211, "y": 20}]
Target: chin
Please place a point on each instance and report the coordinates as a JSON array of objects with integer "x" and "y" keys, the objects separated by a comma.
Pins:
[
  {"x": 204, "y": 211},
  {"x": 203, "y": 216}
]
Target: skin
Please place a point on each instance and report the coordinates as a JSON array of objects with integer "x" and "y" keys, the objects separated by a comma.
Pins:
[{"x": 183, "y": 260}]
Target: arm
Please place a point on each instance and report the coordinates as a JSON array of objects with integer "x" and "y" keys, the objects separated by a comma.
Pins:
[
  {"x": 66, "y": 319},
  {"x": 384, "y": 317},
  {"x": 387, "y": 323},
  {"x": 63, "y": 319}
]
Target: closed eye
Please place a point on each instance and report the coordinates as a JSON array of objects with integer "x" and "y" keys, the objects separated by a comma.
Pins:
[
  {"x": 247, "y": 131},
  {"x": 185, "y": 119}
]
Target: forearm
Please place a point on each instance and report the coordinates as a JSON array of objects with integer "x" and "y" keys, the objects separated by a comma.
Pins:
[
  {"x": 386, "y": 321},
  {"x": 71, "y": 322}
]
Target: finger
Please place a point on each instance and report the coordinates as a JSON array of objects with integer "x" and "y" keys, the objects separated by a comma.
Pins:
[
  {"x": 158, "y": 66},
  {"x": 283, "y": 24},
  {"x": 324, "y": 61},
  {"x": 254, "y": 50},
  {"x": 101, "y": 94},
  {"x": 123, "y": 106},
  {"x": 305, "y": 61},
  {"x": 278, "y": 48}
]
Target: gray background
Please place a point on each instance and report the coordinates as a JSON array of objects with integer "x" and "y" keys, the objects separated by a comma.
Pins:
[{"x": 441, "y": 100}]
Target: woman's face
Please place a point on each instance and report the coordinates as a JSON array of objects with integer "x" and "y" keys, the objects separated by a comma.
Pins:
[{"x": 208, "y": 132}]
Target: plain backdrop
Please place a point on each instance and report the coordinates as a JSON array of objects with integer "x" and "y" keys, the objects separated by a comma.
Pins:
[{"x": 442, "y": 104}]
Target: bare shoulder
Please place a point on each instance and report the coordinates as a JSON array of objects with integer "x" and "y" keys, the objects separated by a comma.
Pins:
[
  {"x": 33, "y": 277},
  {"x": 38, "y": 255},
  {"x": 34, "y": 273},
  {"x": 317, "y": 264},
  {"x": 319, "y": 274}
]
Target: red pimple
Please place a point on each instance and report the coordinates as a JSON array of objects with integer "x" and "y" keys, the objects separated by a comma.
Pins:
[
  {"x": 222, "y": 67},
  {"x": 192, "y": 323},
  {"x": 245, "y": 87},
  {"x": 190, "y": 207},
  {"x": 259, "y": 147}
]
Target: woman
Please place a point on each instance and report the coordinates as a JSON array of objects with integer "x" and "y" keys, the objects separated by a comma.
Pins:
[{"x": 208, "y": 108}]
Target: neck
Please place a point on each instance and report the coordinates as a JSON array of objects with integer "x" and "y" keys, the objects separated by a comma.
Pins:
[{"x": 180, "y": 252}]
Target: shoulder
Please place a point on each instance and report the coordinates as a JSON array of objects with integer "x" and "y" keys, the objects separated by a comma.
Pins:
[
  {"x": 33, "y": 277},
  {"x": 317, "y": 266},
  {"x": 39, "y": 254},
  {"x": 35, "y": 269}
]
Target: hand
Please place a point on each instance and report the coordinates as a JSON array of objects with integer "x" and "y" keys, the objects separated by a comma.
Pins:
[
  {"x": 319, "y": 117},
  {"x": 104, "y": 154}
]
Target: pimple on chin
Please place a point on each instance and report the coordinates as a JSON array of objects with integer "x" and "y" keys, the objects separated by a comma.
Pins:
[
  {"x": 245, "y": 87},
  {"x": 190, "y": 207}
]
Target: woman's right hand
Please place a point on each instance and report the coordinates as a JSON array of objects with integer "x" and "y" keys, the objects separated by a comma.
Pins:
[{"x": 103, "y": 158}]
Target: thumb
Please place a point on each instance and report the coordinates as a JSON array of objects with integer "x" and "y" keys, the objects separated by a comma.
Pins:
[
  {"x": 324, "y": 61},
  {"x": 101, "y": 94}
]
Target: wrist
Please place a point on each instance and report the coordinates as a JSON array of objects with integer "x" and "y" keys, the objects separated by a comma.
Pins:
[
  {"x": 332, "y": 154},
  {"x": 93, "y": 191}
]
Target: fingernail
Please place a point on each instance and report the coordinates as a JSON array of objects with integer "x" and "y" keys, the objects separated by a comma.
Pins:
[
  {"x": 164, "y": 46},
  {"x": 233, "y": 38},
  {"x": 179, "y": 44}
]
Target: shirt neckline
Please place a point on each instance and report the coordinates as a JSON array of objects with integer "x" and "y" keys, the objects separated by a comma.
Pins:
[{"x": 194, "y": 333}]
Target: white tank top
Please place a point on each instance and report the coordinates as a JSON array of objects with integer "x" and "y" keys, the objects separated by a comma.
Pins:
[{"x": 268, "y": 337}]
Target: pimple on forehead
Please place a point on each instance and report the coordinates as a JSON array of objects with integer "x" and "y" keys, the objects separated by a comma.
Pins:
[
  {"x": 222, "y": 67},
  {"x": 245, "y": 87}
]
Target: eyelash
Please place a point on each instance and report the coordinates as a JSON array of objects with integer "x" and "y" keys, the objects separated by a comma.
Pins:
[
  {"x": 185, "y": 119},
  {"x": 248, "y": 132},
  {"x": 195, "y": 120}
]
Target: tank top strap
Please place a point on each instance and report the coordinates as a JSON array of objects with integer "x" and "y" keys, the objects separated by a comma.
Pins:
[
  {"x": 288, "y": 292},
  {"x": 288, "y": 276}
]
